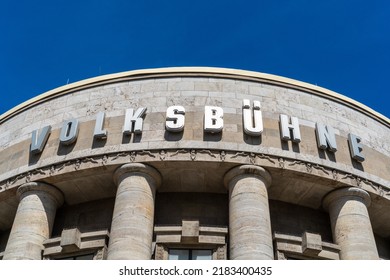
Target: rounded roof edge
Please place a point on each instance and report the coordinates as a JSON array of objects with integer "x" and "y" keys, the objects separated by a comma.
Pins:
[{"x": 196, "y": 71}]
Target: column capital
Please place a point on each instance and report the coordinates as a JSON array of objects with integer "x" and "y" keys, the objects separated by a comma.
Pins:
[
  {"x": 351, "y": 192},
  {"x": 51, "y": 190},
  {"x": 125, "y": 170},
  {"x": 254, "y": 170}
]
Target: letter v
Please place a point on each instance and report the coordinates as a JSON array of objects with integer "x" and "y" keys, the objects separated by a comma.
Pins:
[{"x": 38, "y": 140}]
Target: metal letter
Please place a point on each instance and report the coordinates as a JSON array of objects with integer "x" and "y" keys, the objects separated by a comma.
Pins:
[
  {"x": 355, "y": 147},
  {"x": 253, "y": 124},
  {"x": 213, "y": 119},
  {"x": 99, "y": 132},
  {"x": 326, "y": 137},
  {"x": 175, "y": 118},
  {"x": 69, "y": 132},
  {"x": 38, "y": 142},
  {"x": 287, "y": 128},
  {"x": 134, "y": 122}
]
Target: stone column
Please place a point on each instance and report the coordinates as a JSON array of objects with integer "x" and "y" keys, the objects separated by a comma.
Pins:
[
  {"x": 351, "y": 224},
  {"x": 33, "y": 221},
  {"x": 132, "y": 222},
  {"x": 250, "y": 235}
]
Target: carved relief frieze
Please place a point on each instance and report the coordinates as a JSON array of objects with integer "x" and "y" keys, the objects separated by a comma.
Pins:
[
  {"x": 335, "y": 174},
  {"x": 114, "y": 158},
  {"x": 239, "y": 154},
  {"x": 60, "y": 167},
  {"x": 162, "y": 155},
  {"x": 193, "y": 154},
  {"x": 39, "y": 171},
  {"x": 358, "y": 181},
  {"x": 77, "y": 164},
  {"x": 298, "y": 162},
  {"x": 91, "y": 160},
  {"x": 281, "y": 163},
  {"x": 182, "y": 151},
  {"x": 309, "y": 167},
  {"x": 104, "y": 160},
  {"x": 28, "y": 177},
  {"x": 143, "y": 152},
  {"x": 377, "y": 189},
  {"x": 12, "y": 181},
  {"x": 348, "y": 175},
  {"x": 133, "y": 156},
  {"x": 222, "y": 156},
  {"x": 321, "y": 168},
  {"x": 207, "y": 152},
  {"x": 252, "y": 157},
  {"x": 263, "y": 156},
  {"x": 119, "y": 155},
  {"x": 355, "y": 179}
]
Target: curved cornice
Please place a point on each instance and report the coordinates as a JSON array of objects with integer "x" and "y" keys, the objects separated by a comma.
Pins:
[{"x": 197, "y": 72}]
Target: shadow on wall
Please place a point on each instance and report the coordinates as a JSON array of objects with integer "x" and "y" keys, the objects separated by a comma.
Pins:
[
  {"x": 212, "y": 137},
  {"x": 132, "y": 138},
  {"x": 357, "y": 165},
  {"x": 65, "y": 149},
  {"x": 33, "y": 158},
  {"x": 177, "y": 136},
  {"x": 294, "y": 146},
  {"x": 287, "y": 218},
  {"x": 252, "y": 140},
  {"x": 4, "y": 235},
  {"x": 328, "y": 155},
  {"x": 88, "y": 216},
  {"x": 208, "y": 208},
  {"x": 98, "y": 143}
]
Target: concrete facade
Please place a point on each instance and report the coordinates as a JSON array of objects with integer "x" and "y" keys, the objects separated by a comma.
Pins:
[{"x": 139, "y": 194}]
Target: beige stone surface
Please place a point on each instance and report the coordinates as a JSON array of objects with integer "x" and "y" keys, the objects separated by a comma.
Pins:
[
  {"x": 33, "y": 222},
  {"x": 250, "y": 233},
  {"x": 132, "y": 222},
  {"x": 195, "y": 162},
  {"x": 114, "y": 99},
  {"x": 351, "y": 224}
]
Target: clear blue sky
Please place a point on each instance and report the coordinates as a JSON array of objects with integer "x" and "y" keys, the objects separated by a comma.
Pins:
[{"x": 337, "y": 44}]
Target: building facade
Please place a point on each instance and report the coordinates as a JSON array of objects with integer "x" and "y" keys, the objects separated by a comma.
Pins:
[{"x": 194, "y": 163}]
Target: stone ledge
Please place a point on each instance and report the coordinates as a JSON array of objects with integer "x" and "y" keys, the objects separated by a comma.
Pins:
[
  {"x": 309, "y": 245},
  {"x": 197, "y": 234},
  {"x": 82, "y": 241},
  {"x": 263, "y": 156}
]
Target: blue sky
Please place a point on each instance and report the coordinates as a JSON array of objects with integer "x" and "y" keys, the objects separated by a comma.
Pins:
[{"x": 341, "y": 45}]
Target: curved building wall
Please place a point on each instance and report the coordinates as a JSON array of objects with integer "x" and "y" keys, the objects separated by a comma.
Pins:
[{"x": 189, "y": 182}]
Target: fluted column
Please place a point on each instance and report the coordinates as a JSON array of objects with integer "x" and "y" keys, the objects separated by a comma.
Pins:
[
  {"x": 250, "y": 235},
  {"x": 351, "y": 224},
  {"x": 33, "y": 221},
  {"x": 131, "y": 233}
]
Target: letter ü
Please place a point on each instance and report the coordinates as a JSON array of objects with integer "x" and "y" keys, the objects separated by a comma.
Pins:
[{"x": 253, "y": 123}]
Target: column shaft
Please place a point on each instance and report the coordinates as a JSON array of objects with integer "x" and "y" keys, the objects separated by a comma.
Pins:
[
  {"x": 250, "y": 235},
  {"x": 351, "y": 224},
  {"x": 33, "y": 221},
  {"x": 132, "y": 222}
]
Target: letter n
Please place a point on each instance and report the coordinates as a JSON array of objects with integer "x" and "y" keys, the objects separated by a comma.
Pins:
[{"x": 326, "y": 138}]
